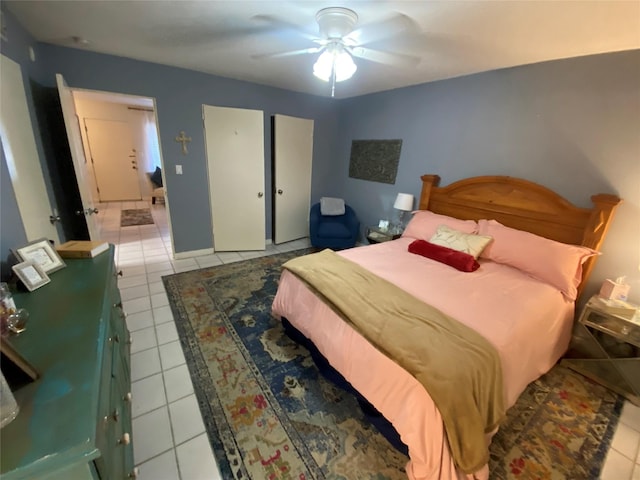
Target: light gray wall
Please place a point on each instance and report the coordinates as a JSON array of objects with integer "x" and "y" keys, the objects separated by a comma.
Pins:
[{"x": 570, "y": 125}]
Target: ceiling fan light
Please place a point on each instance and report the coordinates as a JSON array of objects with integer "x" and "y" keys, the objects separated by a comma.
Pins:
[
  {"x": 342, "y": 62},
  {"x": 324, "y": 64},
  {"x": 345, "y": 66}
]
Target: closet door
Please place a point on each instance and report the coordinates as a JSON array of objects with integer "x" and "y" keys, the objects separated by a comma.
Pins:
[
  {"x": 235, "y": 161},
  {"x": 293, "y": 154}
]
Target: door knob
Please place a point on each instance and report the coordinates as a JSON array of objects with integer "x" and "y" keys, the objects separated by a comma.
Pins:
[
  {"x": 260, "y": 194},
  {"x": 91, "y": 211},
  {"x": 54, "y": 218},
  {"x": 279, "y": 191}
]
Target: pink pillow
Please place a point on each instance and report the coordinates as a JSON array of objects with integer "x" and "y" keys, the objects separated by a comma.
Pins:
[
  {"x": 558, "y": 264},
  {"x": 454, "y": 258},
  {"x": 424, "y": 224}
]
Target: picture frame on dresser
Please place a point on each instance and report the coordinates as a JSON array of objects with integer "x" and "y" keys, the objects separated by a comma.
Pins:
[
  {"x": 31, "y": 275},
  {"x": 42, "y": 253}
]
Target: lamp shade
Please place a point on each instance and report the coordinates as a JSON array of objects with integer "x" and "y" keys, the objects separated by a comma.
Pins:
[
  {"x": 404, "y": 201},
  {"x": 334, "y": 58}
]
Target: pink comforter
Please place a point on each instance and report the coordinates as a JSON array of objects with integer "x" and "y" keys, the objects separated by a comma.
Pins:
[{"x": 528, "y": 322}]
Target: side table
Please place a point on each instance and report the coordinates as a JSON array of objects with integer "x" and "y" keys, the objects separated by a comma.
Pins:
[
  {"x": 609, "y": 347},
  {"x": 377, "y": 235}
]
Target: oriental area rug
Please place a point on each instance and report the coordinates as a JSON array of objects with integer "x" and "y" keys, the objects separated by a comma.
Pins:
[
  {"x": 269, "y": 414},
  {"x": 135, "y": 216}
]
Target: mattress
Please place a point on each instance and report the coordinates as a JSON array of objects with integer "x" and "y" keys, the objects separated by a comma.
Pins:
[{"x": 527, "y": 321}]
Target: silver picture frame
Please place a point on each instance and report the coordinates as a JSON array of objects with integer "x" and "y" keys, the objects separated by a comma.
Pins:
[
  {"x": 31, "y": 275},
  {"x": 42, "y": 253}
]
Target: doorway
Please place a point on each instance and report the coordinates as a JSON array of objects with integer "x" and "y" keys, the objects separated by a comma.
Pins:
[
  {"x": 19, "y": 151},
  {"x": 106, "y": 117}
]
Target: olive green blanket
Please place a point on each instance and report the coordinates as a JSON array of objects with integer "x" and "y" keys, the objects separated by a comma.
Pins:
[{"x": 456, "y": 365}]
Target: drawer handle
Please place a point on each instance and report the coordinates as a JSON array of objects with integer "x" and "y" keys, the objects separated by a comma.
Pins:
[
  {"x": 115, "y": 415},
  {"x": 125, "y": 439},
  {"x": 115, "y": 339},
  {"x": 127, "y": 397},
  {"x": 134, "y": 473},
  {"x": 118, "y": 305},
  {"x": 119, "y": 274}
]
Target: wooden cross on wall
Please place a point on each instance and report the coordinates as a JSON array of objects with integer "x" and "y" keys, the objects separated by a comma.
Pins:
[{"x": 183, "y": 139}]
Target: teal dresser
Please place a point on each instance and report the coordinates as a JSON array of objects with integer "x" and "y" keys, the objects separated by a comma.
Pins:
[{"x": 75, "y": 420}]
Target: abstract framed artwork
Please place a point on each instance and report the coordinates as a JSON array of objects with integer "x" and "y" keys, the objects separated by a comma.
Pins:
[{"x": 375, "y": 160}]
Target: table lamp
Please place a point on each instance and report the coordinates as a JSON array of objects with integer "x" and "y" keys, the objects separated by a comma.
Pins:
[{"x": 404, "y": 203}]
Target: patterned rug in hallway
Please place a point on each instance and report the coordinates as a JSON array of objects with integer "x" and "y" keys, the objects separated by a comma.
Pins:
[
  {"x": 136, "y": 216},
  {"x": 270, "y": 414}
]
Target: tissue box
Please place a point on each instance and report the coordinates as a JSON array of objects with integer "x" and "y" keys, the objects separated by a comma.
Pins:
[{"x": 614, "y": 291}]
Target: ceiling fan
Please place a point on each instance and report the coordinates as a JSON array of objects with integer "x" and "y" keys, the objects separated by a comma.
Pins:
[{"x": 338, "y": 42}]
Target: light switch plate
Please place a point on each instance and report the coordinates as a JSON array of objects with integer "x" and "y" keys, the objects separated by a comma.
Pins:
[{"x": 178, "y": 169}]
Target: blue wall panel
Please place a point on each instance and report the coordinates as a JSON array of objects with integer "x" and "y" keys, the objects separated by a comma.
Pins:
[{"x": 179, "y": 95}]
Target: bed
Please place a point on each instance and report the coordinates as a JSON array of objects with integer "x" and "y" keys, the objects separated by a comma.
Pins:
[{"x": 510, "y": 301}]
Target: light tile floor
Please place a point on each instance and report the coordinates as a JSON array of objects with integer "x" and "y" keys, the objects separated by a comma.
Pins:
[
  {"x": 170, "y": 442},
  {"x": 169, "y": 438}
]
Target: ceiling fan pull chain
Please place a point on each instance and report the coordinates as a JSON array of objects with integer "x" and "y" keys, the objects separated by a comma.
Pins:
[{"x": 333, "y": 79}]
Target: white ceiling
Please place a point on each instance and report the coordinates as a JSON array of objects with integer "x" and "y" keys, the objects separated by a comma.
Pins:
[{"x": 451, "y": 38}]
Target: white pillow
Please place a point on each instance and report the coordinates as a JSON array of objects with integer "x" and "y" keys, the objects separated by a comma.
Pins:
[
  {"x": 331, "y": 206},
  {"x": 460, "y": 241}
]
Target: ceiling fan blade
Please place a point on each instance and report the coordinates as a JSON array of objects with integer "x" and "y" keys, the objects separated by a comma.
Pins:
[
  {"x": 196, "y": 35},
  {"x": 389, "y": 58},
  {"x": 275, "y": 24},
  {"x": 288, "y": 54},
  {"x": 374, "y": 32}
]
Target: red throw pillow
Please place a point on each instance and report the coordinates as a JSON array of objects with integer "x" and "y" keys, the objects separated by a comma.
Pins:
[{"x": 458, "y": 260}]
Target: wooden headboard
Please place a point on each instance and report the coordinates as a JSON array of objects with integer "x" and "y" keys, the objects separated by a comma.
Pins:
[{"x": 524, "y": 205}]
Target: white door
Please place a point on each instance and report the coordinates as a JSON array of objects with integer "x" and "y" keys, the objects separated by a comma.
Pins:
[
  {"x": 114, "y": 159},
  {"x": 293, "y": 154},
  {"x": 72, "y": 125},
  {"x": 21, "y": 155},
  {"x": 235, "y": 161}
]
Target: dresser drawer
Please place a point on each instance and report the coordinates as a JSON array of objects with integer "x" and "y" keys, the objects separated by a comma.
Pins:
[{"x": 114, "y": 427}]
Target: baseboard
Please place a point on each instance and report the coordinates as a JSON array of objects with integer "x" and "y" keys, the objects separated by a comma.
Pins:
[
  {"x": 193, "y": 253},
  {"x": 207, "y": 251}
]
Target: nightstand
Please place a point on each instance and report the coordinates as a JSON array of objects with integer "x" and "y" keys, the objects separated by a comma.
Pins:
[
  {"x": 377, "y": 235},
  {"x": 606, "y": 348}
]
